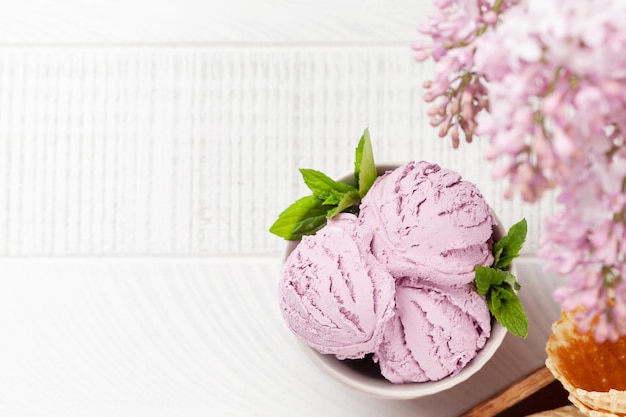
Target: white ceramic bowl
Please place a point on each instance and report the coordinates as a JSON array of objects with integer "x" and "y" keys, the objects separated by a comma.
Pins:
[{"x": 364, "y": 375}]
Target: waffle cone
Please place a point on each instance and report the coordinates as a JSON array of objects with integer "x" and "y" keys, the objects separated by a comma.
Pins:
[
  {"x": 555, "y": 371},
  {"x": 592, "y": 403},
  {"x": 593, "y": 373},
  {"x": 610, "y": 403}
]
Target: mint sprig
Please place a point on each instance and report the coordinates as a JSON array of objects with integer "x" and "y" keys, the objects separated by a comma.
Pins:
[
  {"x": 364, "y": 168},
  {"x": 499, "y": 286},
  {"x": 507, "y": 248},
  {"x": 304, "y": 217},
  {"x": 309, "y": 214},
  {"x": 324, "y": 187}
]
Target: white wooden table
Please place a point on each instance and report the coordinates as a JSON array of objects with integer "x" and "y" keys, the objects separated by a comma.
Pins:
[{"x": 146, "y": 147}]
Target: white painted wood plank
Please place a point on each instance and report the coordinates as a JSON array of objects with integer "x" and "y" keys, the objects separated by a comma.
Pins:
[
  {"x": 162, "y": 337},
  {"x": 196, "y": 150},
  {"x": 213, "y": 21}
]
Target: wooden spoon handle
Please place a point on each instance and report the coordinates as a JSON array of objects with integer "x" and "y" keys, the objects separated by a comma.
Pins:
[{"x": 512, "y": 394}]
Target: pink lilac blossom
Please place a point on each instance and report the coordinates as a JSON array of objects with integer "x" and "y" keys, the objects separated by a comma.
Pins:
[
  {"x": 545, "y": 83},
  {"x": 586, "y": 241},
  {"x": 457, "y": 93},
  {"x": 551, "y": 107}
]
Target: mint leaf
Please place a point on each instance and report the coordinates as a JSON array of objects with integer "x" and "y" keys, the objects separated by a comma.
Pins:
[
  {"x": 507, "y": 308},
  {"x": 509, "y": 246},
  {"x": 496, "y": 255},
  {"x": 503, "y": 302},
  {"x": 509, "y": 279},
  {"x": 493, "y": 300},
  {"x": 358, "y": 157},
  {"x": 349, "y": 199},
  {"x": 325, "y": 188},
  {"x": 307, "y": 215},
  {"x": 304, "y": 217},
  {"x": 498, "y": 285},
  {"x": 364, "y": 167},
  {"x": 486, "y": 278}
]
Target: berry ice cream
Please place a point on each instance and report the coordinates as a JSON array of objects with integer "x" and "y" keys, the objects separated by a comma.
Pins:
[
  {"x": 396, "y": 281},
  {"x": 429, "y": 223},
  {"x": 334, "y": 294},
  {"x": 435, "y": 332}
]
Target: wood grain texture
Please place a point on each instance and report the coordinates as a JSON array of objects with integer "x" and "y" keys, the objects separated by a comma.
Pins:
[
  {"x": 195, "y": 150},
  {"x": 195, "y": 337},
  {"x": 211, "y": 21},
  {"x": 513, "y": 394}
]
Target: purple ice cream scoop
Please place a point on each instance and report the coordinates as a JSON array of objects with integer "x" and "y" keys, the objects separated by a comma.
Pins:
[
  {"x": 436, "y": 331},
  {"x": 429, "y": 223},
  {"x": 334, "y": 294}
]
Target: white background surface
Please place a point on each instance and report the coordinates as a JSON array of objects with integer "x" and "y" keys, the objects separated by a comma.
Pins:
[{"x": 146, "y": 147}]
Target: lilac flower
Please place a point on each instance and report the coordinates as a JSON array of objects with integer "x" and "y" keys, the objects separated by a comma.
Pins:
[
  {"x": 586, "y": 241},
  {"x": 457, "y": 93},
  {"x": 545, "y": 83}
]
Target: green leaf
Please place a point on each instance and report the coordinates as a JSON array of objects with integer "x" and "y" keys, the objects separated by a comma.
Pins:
[
  {"x": 364, "y": 167},
  {"x": 304, "y": 217},
  {"x": 309, "y": 214},
  {"x": 498, "y": 286},
  {"x": 485, "y": 278},
  {"x": 496, "y": 255},
  {"x": 349, "y": 199},
  {"x": 493, "y": 300},
  {"x": 509, "y": 246},
  {"x": 509, "y": 279},
  {"x": 507, "y": 308},
  {"x": 325, "y": 188},
  {"x": 358, "y": 157}
]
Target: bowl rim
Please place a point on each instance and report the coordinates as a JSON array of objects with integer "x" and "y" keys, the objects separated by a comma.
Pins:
[{"x": 381, "y": 388}]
